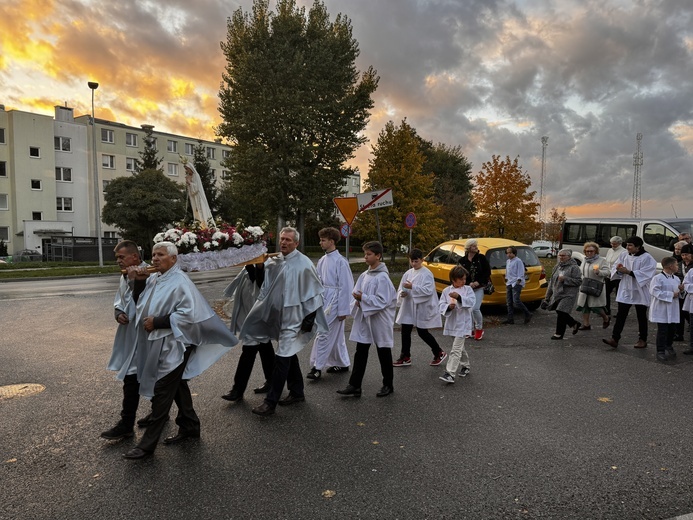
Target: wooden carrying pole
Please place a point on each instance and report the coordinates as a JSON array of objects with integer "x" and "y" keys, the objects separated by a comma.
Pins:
[{"x": 257, "y": 260}]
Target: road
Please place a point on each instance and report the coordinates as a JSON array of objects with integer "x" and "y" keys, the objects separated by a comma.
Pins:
[{"x": 539, "y": 429}]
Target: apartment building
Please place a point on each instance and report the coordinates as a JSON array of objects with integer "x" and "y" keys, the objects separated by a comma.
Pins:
[{"x": 47, "y": 180}]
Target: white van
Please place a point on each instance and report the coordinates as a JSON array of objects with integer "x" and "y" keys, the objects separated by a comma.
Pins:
[{"x": 659, "y": 235}]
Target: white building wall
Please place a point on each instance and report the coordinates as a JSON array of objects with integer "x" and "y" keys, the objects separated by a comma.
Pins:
[{"x": 7, "y": 222}]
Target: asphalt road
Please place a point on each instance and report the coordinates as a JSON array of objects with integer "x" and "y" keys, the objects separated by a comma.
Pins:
[{"x": 539, "y": 429}]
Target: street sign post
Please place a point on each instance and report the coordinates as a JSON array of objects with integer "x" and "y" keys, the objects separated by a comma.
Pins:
[
  {"x": 345, "y": 231},
  {"x": 410, "y": 222}
]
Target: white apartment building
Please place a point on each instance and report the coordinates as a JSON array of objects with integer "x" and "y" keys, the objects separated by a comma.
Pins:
[{"x": 47, "y": 180}]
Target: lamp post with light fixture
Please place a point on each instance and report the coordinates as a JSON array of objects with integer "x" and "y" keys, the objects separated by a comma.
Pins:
[{"x": 93, "y": 85}]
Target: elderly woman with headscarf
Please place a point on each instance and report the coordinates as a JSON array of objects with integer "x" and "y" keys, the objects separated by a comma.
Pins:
[
  {"x": 563, "y": 291},
  {"x": 479, "y": 274},
  {"x": 596, "y": 268}
]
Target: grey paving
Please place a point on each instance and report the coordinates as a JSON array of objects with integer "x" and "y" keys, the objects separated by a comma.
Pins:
[{"x": 539, "y": 429}]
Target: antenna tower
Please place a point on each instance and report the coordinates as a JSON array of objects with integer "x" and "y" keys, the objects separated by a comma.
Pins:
[
  {"x": 636, "y": 208},
  {"x": 542, "y": 198}
]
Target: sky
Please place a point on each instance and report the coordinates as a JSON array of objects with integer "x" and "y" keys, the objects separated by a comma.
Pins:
[{"x": 490, "y": 76}]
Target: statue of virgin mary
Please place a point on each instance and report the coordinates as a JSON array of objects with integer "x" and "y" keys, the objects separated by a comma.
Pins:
[{"x": 196, "y": 194}]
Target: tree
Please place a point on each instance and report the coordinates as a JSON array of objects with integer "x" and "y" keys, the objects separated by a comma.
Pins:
[
  {"x": 452, "y": 186},
  {"x": 396, "y": 163},
  {"x": 505, "y": 206},
  {"x": 142, "y": 205},
  {"x": 208, "y": 181},
  {"x": 293, "y": 105},
  {"x": 148, "y": 159},
  {"x": 554, "y": 227}
]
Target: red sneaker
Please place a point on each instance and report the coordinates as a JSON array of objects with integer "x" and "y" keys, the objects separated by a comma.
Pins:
[{"x": 478, "y": 334}]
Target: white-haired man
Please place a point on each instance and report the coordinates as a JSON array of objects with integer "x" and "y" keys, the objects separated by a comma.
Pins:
[
  {"x": 179, "y": 336},
  {"x": 288, "y": 310}
]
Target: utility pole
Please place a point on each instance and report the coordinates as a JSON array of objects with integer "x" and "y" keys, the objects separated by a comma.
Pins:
[{"x": 542, "y": 197}]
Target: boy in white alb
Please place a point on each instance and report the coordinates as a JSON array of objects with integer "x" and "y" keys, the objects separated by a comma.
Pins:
[
  {"x": 664, "y": 307},
  {"x": 373, "y": 309},
  {"x": 456, "y": 303}
]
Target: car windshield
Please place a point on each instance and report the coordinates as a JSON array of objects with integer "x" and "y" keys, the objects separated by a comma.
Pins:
[
  {"x": 496, "y": 257},
  {"x": 682, "y": 226}
]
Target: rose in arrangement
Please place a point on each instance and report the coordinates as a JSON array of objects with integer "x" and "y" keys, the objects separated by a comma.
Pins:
[{"x": 195, "y": 239}]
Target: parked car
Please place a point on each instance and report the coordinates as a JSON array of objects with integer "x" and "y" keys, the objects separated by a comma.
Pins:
[
  {"x": 544, "y": 251},
  {"x": 448, "y": 254},
  {"x": 27, "y": 255}
]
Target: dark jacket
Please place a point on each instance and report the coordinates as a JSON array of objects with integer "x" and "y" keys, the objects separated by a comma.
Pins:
[{"x": 479, "y": 269}]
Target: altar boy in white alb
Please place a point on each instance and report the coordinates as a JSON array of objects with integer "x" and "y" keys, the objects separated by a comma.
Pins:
[
  {"x": 664, "y": 307},
  {"x": 330, "y": 349}
]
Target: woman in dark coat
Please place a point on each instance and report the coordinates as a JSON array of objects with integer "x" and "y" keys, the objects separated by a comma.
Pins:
[
  {"x": 479, "y": 274},
  {"x": 563, "y": 291}
]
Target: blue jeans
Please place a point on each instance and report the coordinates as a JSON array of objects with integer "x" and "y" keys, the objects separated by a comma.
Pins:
[{"x": 512, "y": 300}]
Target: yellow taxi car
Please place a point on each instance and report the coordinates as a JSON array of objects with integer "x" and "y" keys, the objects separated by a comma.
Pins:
[{"x": 448, "y": 254}]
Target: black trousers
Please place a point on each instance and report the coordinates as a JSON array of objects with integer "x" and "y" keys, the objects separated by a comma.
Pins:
[
  {"x": 131, "y": 400},
  {"x": 247, "y": 361},
  {"x": 423, "y": 334},
  {"x": 681, "y": 326},
  {"x": 287, "y": 370},
  {"x": 665, "y": 336},
  {"x": 563, "y": 320},
  {"x": 361, "y": 361},
  {"x": 622, "y": 314},
  {"x": 611, "y": 286},
  {"x": 172, "y": 387}
]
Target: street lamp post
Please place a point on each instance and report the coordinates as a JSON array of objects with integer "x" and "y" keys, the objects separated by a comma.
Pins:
[{"x": 93, "y": 85}]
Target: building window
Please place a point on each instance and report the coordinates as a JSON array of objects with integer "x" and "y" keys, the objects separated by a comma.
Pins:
[
  {"x": 130, "y": 139},
  {"x": 107, "y": 136},
  {"x": 63, "y": 174},
  {"x": 225, "y": 175},
  {"x": 172, "y": 146},
  {"x": 130, "y": 164},
  {"x": 213, "y": 173},
  {"x": 105, "y": 185},
  {"x": 3, "y": 201},
  {"x": 62, "y": 144},
  {"x": 2, "y": 136},
  {"x": 34, "y": 151},
  {"x": 355, "y": 183},
  {"x": 225, "y": 154},
  {"x": 35, "y": 184},
  {"x": 189, "y": 149},
  {"x": 110, "y": 234},
  {"x": 211, "y": 152},
  {"x": 64, "y": 203},
  {"x": 36, "y": 215},
  {"x": 108, "y": 161},
  {"x": 172, "y": 169},
  {"x": 5, "y": 233},
  {"x": 3, "y": 169}
]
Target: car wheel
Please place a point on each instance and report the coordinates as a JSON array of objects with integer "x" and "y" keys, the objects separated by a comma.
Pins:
[{"x": 549, "y": 255}]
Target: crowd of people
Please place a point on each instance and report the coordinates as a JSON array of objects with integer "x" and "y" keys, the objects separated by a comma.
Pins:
[{"x": 167, "y": 332}]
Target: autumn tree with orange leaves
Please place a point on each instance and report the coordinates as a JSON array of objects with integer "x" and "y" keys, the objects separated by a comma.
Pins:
[{"x": 505, "y": 205}]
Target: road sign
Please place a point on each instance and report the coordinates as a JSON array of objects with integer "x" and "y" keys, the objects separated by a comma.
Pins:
[
  {"x": 345, "y": 230},
  {"x": 375, "y": 199},
  {"x": 410, "y": 220},
  {"x": 348, "y": 207}
]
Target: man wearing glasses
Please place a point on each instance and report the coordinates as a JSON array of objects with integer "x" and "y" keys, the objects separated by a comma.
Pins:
[
  {"x": 514, "y": 282},
  {"x": 637, "y": 268}
]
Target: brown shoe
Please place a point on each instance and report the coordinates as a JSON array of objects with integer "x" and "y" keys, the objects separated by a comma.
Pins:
[
  {"x": 640, "y": 344},
  {"x": 264, "y": 410},
  {"x": 611, "y": 342}
]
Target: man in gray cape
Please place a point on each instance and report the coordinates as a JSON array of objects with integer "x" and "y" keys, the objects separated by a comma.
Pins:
[
  {"x": 288, "y": 310},
  {"x": 179, "y": 336}
]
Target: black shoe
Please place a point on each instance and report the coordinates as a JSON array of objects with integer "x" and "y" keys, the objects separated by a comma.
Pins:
[
  {"x": 661, "y": 356},
  {"x": 679, "y": 338},
  {"x": 264, "y": 410},
  {"x": 180, "y": 437},
  {"x": 337, "y": 370},
  {"x": 146, "y": 421},
  {"x": 671, "y": 352},
  {"x": 117, "y": 433},
  {"x": 136, "y": 453},
  {"x": 233, "y": 395},
  {"x": 385, "y": 390},
  {"x": 576, "y": 327},
  {"x": 314, "y": 374},
  {"x": 528, "y": 318},
  {"x": 262, "y": 389},
  {"x": 556, "y": 337},
  {"x": 508, "y": 322},
  {"x": 350, "y": 390},
  {"x": 291, "y": 399}
]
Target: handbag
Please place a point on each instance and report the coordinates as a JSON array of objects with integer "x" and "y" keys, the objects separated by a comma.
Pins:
[
  {"x": 489, "y": 288},
  {"x": 591, "y": 287}
]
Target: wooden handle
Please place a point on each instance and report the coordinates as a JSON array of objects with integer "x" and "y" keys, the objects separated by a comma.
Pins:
[
  {"x": 258, "y": 259},
  {"x": 150, "y": 269}
]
